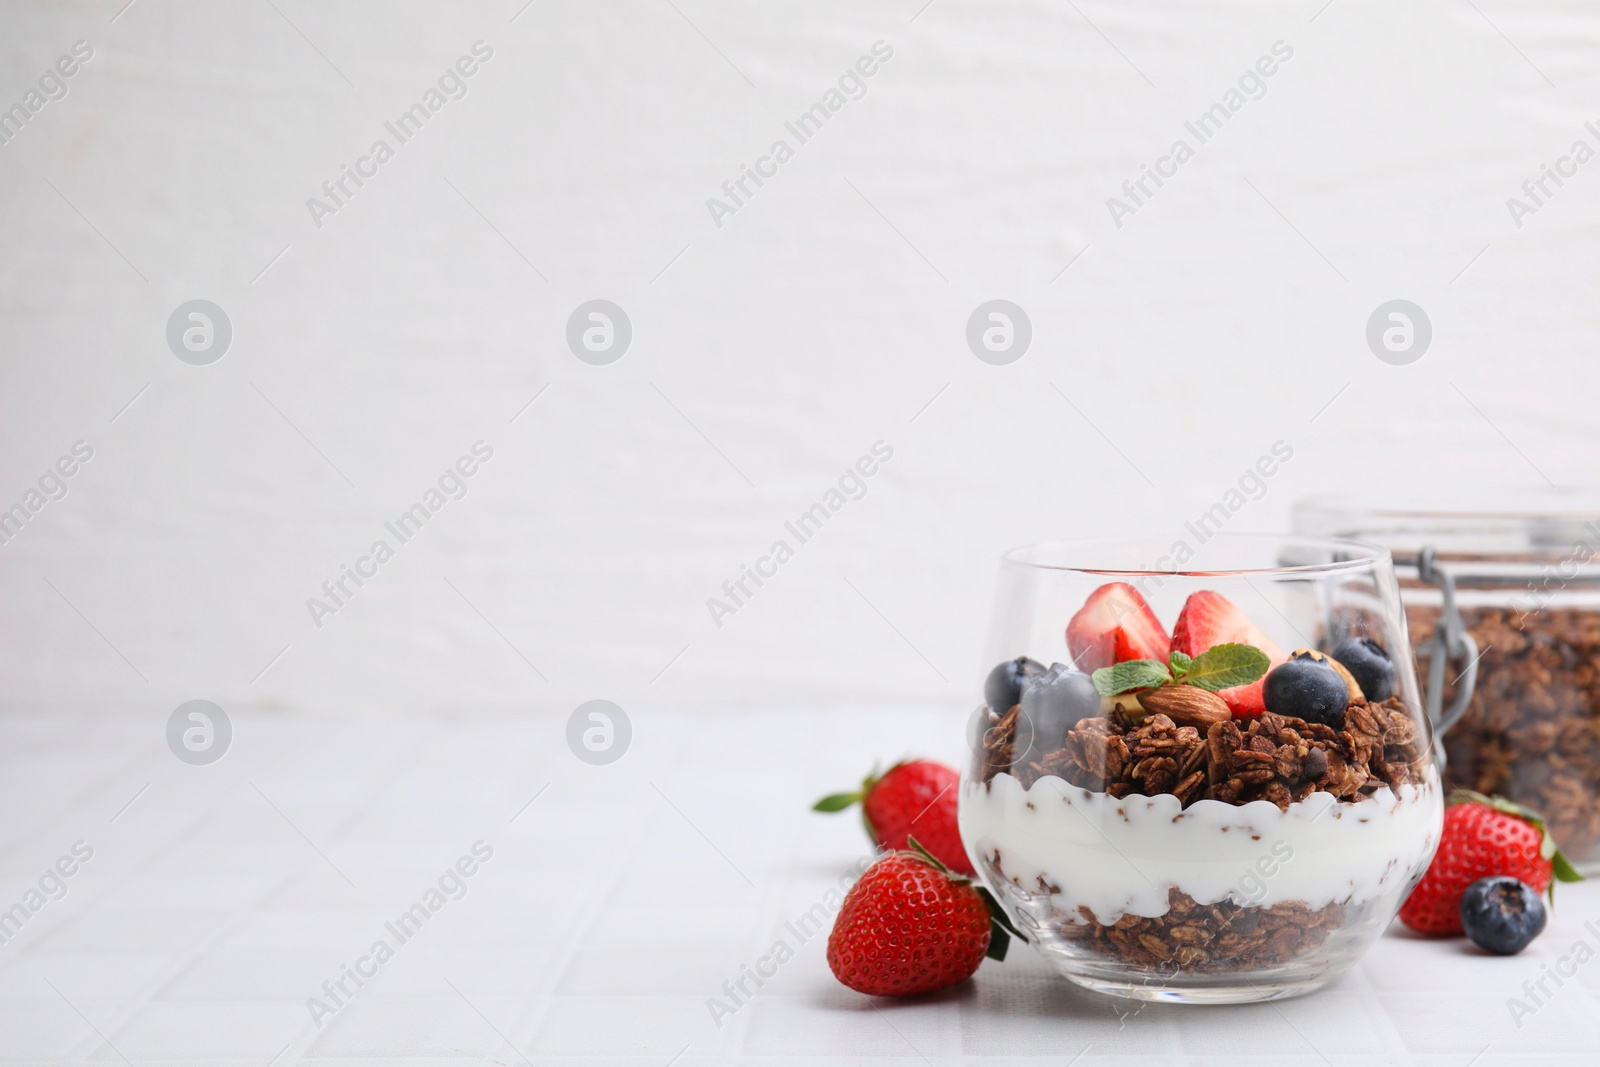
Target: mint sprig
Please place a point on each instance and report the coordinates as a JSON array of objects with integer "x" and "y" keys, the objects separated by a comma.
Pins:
[
  {"x": 1218, "y": 667},
  {"x": 1131, "y": 674},
  {"x": 1225, "y": 666}
]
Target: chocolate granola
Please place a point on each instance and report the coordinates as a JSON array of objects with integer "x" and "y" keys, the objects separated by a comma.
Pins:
[
  {"x": 1532, "y": 729},
  {"x": 1199, "y": 938},
  {"x": 1275, "y": 758}
]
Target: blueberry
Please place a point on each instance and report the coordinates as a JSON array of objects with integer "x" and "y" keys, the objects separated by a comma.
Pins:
[
  {"x": 1053, "y": 703},
  {"x": 1501, "y": 914},
  {"x": 1003, "y": 688},
  {"x": 1305, "y": 687},
  {"x": 1370, "y": 664}
]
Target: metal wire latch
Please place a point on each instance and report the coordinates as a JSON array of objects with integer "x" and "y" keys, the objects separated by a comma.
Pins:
[{"x": 1449, "y": 641}]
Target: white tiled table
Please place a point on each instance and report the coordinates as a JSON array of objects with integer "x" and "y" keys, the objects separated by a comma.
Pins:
[{"x": 613, "y": 906}]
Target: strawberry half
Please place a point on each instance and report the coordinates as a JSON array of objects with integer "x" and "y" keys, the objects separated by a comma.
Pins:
[
  {"x": 1114, "y": 625},
  {"x": 1209, "y": 618}
]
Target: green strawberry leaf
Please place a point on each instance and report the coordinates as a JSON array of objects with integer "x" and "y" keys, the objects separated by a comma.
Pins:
[
  {"x": 1131, "y": 674},
  {"x": 1225, "y": 666},
  {"x": 840, "y": 801},
  {"x": 1563, "y": 870},
  {"x": 913, "y": 845},
  {"x": 1001, "y": 930},
  {"x": 917, "y": 847},
  {"x": 998, "y": 914},
  {"x": 999, "y": 942}
]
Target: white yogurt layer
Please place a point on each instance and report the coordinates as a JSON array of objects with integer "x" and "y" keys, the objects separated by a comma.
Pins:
[{"x": 1122, "y": 856}]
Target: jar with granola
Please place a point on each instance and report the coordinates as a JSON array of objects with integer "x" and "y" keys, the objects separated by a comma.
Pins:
[
  {"x": 1522, "y": 574},
  {"x": 1200, "y": 774}
]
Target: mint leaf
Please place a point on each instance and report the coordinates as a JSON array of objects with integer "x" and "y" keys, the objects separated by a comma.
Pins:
[
  {"x": 1180, "y": 664},
  {"x": 1131, "y": 674},
  {"x": 1225, "y": 666}
]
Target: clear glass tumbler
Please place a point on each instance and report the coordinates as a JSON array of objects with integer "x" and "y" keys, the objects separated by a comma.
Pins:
[{"x": 1201, "y": 773}]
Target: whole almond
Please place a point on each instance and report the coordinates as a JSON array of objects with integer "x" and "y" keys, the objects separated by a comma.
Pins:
[
  {"x": 1186, "y": 705},
  {"x": 1350, "y": 682}
]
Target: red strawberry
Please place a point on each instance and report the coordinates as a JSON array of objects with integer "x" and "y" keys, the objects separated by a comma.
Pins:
[
  {"x": 910, "y": 799},
  {"x": 1483, "y": 837},
  {"x": 1209, "y": 619},
  {"x": 1115, "y": 624},
  {"x": 908, "y": 927}
]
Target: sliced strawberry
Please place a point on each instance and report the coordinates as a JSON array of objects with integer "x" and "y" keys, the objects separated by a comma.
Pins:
[
  {"x": 1246, "y": 701},
  {"x": 1208, "y": 618},
  {"x": 1114, "y": 625}
]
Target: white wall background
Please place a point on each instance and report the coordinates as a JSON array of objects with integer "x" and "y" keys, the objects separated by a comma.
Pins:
[{"x": 1224, "y": 316}]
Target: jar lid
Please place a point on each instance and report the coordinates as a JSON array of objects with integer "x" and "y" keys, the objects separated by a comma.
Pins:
[{"x": 1482, "y": 533}]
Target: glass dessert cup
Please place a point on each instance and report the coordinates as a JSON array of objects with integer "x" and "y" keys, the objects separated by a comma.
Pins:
[{"x": 1196, "y": 802}]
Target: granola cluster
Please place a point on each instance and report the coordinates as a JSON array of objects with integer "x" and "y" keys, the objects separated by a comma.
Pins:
[
  {"x": 1532, "y": 729},
  {"x": 1199, "y": 938},
  {"x": 1275, "y": 758}
]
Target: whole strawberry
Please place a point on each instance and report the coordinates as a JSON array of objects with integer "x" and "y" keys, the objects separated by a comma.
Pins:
[
  {"x": 917, "y": 798},
  {"x": 910, "y": 926},
  {"x": 1483, "y": 837}
]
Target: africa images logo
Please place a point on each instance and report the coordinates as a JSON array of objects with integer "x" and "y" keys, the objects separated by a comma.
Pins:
[
  {"x": 52, "y": 87},
  {"x": 452, "y": 485},
  {"x": 1252, "y": 85},
  {"x": 451, "y": 885},
  {"x": 852, "y": 85},
  {"x": 852, "y": 485},
  {"x": 339, "y": 191}
]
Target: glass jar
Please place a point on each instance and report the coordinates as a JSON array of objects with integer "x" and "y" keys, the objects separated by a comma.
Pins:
[
  {"x": 1525, "y": 580},
  {"x": 1176, "y": 842}
]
